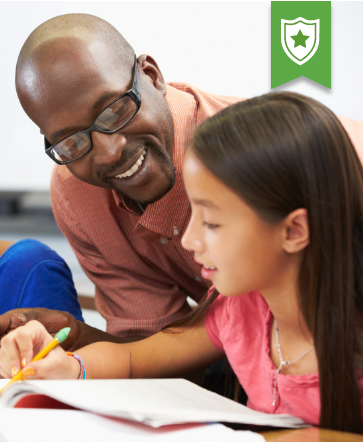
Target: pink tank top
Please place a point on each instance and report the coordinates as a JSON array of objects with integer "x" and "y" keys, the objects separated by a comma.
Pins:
[{"x": 240, "y": 327}]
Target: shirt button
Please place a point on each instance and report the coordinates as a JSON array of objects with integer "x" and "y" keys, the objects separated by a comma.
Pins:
[
  {"x": 197, "y": 278},
  {"x": 163, "y": 241},
  {"x": 176, "y": 231}
]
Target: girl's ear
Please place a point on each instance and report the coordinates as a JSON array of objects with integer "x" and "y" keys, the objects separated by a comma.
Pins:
[{"x": 296, "y": 231}]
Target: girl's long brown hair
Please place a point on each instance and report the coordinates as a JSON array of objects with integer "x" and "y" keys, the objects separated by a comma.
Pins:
[{"x": 284, "y": 151}]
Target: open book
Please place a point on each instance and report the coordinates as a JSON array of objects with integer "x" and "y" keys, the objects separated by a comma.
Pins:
[{"x": 154, "y": 402}]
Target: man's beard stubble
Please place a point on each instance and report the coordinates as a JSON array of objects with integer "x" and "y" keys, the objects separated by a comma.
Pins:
[{"x": 166, "y": 165}]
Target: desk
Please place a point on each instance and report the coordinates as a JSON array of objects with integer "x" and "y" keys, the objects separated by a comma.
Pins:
[{"x": 311, "y": 435}]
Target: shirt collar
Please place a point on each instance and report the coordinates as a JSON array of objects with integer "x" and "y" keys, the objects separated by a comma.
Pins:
[{"x": 166, "y": 216}]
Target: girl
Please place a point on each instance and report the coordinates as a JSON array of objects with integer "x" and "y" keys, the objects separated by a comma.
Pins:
[{"x": 276, "y": 190}]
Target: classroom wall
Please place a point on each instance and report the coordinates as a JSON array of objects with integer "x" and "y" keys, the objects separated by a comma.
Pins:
[{"x": 221, "y": 47}]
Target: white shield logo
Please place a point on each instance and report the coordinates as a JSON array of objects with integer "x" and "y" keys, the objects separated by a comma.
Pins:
[{"x": 300, "y": 38}]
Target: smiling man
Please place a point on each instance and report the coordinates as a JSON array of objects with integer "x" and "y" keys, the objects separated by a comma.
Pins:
[{"x": 118, "y": 134}]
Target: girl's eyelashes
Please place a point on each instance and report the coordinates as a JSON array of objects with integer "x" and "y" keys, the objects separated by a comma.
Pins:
[{"x": 209, "y": 225}]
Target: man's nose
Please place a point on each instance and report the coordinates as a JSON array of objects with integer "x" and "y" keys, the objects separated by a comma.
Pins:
[{"x": 107, "y": 148}]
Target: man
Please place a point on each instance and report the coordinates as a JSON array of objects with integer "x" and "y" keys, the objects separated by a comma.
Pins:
[{"x": 118, "y": 133}]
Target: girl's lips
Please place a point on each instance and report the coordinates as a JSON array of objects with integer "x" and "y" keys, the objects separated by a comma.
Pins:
[{"x": 208, "y": 273}]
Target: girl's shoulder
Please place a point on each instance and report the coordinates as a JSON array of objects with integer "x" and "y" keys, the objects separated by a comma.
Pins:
[
  {"x": 247, "y": 308},
  {"x": 250, "y": 300}
]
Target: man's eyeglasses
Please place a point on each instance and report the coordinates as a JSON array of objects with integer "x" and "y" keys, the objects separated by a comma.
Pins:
[{"x": 111, "y": 119}]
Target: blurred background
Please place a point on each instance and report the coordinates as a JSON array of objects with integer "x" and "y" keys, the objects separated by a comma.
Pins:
[{"x": 220, "y": 47}]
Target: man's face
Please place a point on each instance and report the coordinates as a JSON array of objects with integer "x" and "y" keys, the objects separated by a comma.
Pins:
[{"x": 64, "y": 90}]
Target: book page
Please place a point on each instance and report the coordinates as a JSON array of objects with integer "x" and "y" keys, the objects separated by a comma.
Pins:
[
  {"x": 66, "y": 425},
  {"x": 3, "y": 382},
  {"x": 153, "y": 401}
]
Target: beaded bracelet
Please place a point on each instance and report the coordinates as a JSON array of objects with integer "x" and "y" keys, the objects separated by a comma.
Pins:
[{"x": 82, "y": 372}]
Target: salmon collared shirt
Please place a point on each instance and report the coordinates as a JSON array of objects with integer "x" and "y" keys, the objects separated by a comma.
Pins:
[{"x": 141, "y": 272}]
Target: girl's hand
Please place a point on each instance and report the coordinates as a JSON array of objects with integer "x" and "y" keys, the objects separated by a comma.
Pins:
[{"x": 20, "y": 346}]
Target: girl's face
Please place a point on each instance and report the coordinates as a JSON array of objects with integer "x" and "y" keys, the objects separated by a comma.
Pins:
[{"x": 239, "y": 251}]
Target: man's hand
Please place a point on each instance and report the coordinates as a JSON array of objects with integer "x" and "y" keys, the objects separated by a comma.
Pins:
[
  {"x": 53, "y": 321},
  {"x": 80, "y": 335}
]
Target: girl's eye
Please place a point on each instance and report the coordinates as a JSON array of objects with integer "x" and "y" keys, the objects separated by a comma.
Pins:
[{"x": 210, "y": 226}]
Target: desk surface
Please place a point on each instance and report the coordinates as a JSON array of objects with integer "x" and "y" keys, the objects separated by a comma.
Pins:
[{"x": 311, "y": 435}]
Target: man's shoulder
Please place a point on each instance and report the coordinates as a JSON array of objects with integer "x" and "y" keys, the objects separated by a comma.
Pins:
[
  {"x": 63, "y": 180},
  {"x": 60, "y": 175},
  {"x": 207, "y": 102},
  {"x": 67, "y": 190}
]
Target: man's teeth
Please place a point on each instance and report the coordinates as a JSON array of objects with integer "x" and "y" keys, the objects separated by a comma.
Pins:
[
  {"x": 134, "y": 168},
  {"x": 209, "y": 268}
]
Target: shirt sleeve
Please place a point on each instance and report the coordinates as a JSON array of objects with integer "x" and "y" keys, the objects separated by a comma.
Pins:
[
  {"x": 33, "y": 275},
  {"x": 135, "y": 297},
  {"x": 214, "y": 320}
]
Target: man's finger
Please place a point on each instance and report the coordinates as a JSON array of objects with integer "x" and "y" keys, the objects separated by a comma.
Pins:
[
  {"x": 22, "y": 316},
  {"x": 15, "y": 318},
  {"x": 18, "y": 319},
  {"x": 4, "y": 323},
  {"x": 53, "y": 321}
]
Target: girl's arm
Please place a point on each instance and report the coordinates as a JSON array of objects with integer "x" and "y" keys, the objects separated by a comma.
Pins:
[{"x": 165, "y": 354}]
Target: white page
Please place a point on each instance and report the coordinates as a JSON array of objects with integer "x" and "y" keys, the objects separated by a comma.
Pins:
[
  {"x": 3, "y": 382},
  {"x": 74, "y": 426},
  {"x": 152, "y": 401}
]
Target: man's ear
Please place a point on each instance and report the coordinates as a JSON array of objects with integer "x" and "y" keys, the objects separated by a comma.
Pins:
[
  {"x": 296, "y": 231},
  {"x": 151, "y": 69}
]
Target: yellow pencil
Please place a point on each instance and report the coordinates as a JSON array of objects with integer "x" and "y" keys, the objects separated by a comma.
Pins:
[{"x": 61, "y": 336}]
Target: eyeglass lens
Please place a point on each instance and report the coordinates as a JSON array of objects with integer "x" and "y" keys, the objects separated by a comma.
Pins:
[
  {"x": 116, "y": 115},
  {"x": 72, "y": 147},
  {"x": 110, "y": 120}
]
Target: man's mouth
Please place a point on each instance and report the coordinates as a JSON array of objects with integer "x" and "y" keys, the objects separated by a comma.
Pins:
[
  {"x": 134, "y": 168},
  {"x": 145, "y": 176}
]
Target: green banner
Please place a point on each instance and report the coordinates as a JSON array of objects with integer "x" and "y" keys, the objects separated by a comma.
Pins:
[{"x": 300, "y": 41}]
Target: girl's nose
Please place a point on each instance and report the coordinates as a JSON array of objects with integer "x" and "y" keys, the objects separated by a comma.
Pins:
[{"x": 191, "y": 240}]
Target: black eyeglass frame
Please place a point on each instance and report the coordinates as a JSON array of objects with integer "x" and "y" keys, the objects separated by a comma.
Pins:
[{"x": 134, "y": 93}]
